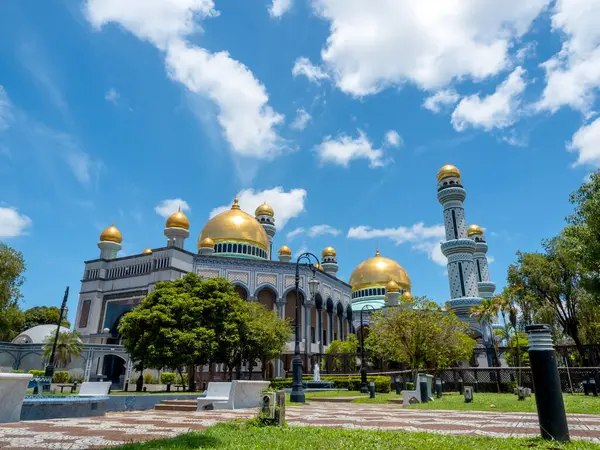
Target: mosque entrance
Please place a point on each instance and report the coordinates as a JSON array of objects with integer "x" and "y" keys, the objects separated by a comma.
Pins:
[{"x": 114, "y": 370}]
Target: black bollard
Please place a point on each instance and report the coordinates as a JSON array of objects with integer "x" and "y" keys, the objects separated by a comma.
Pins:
[
  {"x": 592, "y": 387},
  {"x": 586, "y": 388},
  {"x": 397, "y": 385},
  {"x": 546, "y": 381},
  {"x": 372, "y": 389},
  {"x": 475, "y": 386},
  {"x": 460, "y": 386},
  {"x": 423, "y": 389}
]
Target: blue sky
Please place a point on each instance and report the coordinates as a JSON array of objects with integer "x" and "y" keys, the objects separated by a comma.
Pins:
[{"x": 337, "y": 112}]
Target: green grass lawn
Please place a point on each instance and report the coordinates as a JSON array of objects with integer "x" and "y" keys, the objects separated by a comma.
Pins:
[
  {"x": 574, "y": 403},
  {"x": 241, "y": 436}
]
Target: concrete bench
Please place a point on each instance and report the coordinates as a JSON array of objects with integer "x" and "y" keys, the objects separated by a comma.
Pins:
[
  {"x": 237, "y": 394},
  {"x": 407, "y": 396},
  {"x": 95, "y": 389},
  {"x": 12, "y": 392}
]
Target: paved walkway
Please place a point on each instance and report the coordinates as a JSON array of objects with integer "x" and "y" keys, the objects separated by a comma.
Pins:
[{"x": 119, "y": 428}]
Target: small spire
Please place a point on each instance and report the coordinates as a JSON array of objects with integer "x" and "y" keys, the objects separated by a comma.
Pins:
[
  {"x": 377, "y": 248},
  {"x": 236, "y": 204},
  {"x": 179, "y": 208}
]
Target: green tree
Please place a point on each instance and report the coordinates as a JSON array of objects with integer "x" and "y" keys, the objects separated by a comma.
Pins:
[
  {"x": 69, "y": 345},
  {"x": 43, "y": 315},
  {"x": 486, "y": 313},
  {"x": 264, "y": 336},
  {"x": 342, "y": 350},
  {"x": 422, "y": 336},
  {"x": 184, "y": 323},
  {"x": 12, "y": 267}
]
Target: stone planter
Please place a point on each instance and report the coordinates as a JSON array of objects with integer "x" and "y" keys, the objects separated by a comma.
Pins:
[{"x": 13, "y": 387}]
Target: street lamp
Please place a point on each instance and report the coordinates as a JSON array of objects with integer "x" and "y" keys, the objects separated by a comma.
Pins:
[
  {"x": 50, "y": 367},
  {"x": 363, "y": 369},
  {"x": 297, "y": 395}
]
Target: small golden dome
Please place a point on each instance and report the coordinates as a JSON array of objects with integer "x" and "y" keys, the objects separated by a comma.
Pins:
[
  {"x": 328, "y": 251},
  {"x": 148, "y": 250},
  {"x": 207, "y": 243},
  {"x": 407, "y": 295},
  {"x": 319, "y": 266},
  {"x": 178, "y": 220},
  {"x": 111, "y": 234},
  {"x": 377, "y": 272},
  {"x": 448, "y": 171},
  {"x": 392, "y": 286},
  {"x": 264, "y": 209},
  {"x": 474, "y": 230},
  {"x": 235, "y": 225},
  {"x": 285, "y": 250}
]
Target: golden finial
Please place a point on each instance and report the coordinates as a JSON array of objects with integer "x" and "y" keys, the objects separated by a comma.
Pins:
[
  {"x": 377, "y": 248},
  {"x": 236, "y": 204}
]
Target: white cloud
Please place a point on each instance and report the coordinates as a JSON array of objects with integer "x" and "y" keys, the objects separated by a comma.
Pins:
[
  {"x": 303, "y": 66},
  {"x": 573, "y": 73},
  {"x": 374, "y": 45},
  {"x": 295, "y": 233},
  {"x": 112, "y": 96},
  {"x": 5, "y": 109},
  {"x": 280, "y": 7},
  {"x": 286, "y": 205},
  {"x": 586, "y": 142},
  {"x": 423, "y": 238},
  {"x": 247, "y": 120},
  {"x": 320, "y": 230},
  {"x": 12, "y": 223},
  {"x": 442, "y": 98},
  {"x": 491, "y": 259},
  {"x": 344, "y": 149},
  {"x": 301, "y": 120},
  {"x": 393, "y": 139},
  {"x": 171, "y": 205},
  {"x": 497, "y": 110}
]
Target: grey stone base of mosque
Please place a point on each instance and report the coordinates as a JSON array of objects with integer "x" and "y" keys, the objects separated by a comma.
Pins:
[{"x": 40, "y": 408}]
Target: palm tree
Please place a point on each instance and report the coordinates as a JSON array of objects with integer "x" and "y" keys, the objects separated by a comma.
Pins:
[{"x": 68, "y": 346}]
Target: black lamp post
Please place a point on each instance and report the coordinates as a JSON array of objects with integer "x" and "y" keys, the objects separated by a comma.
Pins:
[
  {"x": 50, "y": 366},
  {"x": 297, "y": 395},
  {"x": 363, "y": 369}
]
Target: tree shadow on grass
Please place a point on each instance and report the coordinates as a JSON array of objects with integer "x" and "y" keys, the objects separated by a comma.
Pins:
[{"x": 188, "y": 441}]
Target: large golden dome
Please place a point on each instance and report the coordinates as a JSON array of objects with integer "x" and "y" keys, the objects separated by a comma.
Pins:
[
  {"x": 377, "y": 272},
  {"x": 235, "y": 226},
  {"x": 178, "y": 220},
  {"x": 111, "y": 234},
  {"x": 448, "y": 171}
]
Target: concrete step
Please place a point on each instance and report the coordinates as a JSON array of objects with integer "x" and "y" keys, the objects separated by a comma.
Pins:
[
  {"x": 179, "y": 402},
  {"x": 163, "y": 407}
]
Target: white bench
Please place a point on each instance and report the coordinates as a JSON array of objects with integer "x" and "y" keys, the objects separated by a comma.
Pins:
[
  {"x": 94, "y": 389},
  {"x": 237, "y": 394}
]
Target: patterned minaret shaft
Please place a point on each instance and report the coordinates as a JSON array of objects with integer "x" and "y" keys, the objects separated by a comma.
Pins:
[
  {"x": 458, "y": 248},
  {"x": 266, "y": 217},
  {"x": 486, "y": 287}
]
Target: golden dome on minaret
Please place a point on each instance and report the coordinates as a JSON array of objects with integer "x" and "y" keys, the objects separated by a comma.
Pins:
[
  {"x": 285, "y": 250},
  {"x": 147, "y": 251},
  {"x": 407, "y": 296},
  {"x": 474, "y": 230},
  {"x": 392, "y": 286},
  {"x": 448, "y": 171},
  {"x": 318, "y": 266},
  {"x": 178, "y": 220},
  {"x": 328, "y": 251},
  {"x": 264, "y": 209},
  {"x": 235, "y": 225},
  {"x": 111, "y": 234},
  {"x": 377, "y": 272},
  {"x": 206, "y": 243}
]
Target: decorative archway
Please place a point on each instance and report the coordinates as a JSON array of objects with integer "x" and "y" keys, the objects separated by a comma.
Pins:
[
  {"x": 242, "y": 290},
  {"x": 113, "y": 367},
  {"x": 267, "y": 296}
]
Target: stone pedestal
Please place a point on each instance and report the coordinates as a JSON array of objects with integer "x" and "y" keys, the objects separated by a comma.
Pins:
[{"x": 13, "y": 387}]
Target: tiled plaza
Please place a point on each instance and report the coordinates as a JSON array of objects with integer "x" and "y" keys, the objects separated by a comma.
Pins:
[{"x": 118, "y": 428}]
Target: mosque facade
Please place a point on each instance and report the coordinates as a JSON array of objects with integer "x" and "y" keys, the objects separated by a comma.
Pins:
[{"x": 238, "y": 247}]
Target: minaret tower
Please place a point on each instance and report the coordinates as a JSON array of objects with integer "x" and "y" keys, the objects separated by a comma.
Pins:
[
  {"x": 486, "y": 287},
  {"x": 392, "y": 293},
  {"x": 206, "y": 247},
  {"x": 266, "y": 217},
  {"x": 458, "y": 248},
  {"x": 177, "y": 229},
  {"x": 110, "y": 242},
  {"x": 329, "y": 261}
]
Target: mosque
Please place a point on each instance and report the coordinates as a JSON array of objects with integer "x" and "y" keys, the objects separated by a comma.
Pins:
[{"x": 238, "y": 247}]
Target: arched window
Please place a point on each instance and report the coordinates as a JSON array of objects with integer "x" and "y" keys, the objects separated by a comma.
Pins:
[
  {"x": 370, "y": 292},
  {"x": 228, "y": 248},
  {"x": 235, "y": 248},
  {"x": 245, "y": 249}
]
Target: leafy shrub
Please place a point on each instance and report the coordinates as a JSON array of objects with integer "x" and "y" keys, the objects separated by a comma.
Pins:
[
  {"x": 37, "y": 373},
  {"x": 148, "y": 378},
  {"x": 17, "y": 371},
  {"x": 383, "y": 384},
  {"x": 61, "y": 377},
  {"x": 167, "y": 378},
  {"x": 410, "y": 386},
  {"x": 182, "y": 379}
]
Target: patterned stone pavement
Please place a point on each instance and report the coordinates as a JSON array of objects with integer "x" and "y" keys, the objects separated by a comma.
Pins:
[{"x": 119, "y": 428}]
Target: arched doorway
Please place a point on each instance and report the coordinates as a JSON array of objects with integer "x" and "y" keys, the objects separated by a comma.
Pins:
[
  {"x": 267, "y": 297},
  {"x": 241, "y": 290},
  {"x": 113, "y": 368}
]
